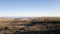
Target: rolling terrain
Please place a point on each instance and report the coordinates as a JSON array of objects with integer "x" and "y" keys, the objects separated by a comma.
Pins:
[{"x": 33, "y": 25}]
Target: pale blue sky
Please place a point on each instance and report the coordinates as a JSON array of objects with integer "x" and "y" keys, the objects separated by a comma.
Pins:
[{"x": 29, "y": 8}]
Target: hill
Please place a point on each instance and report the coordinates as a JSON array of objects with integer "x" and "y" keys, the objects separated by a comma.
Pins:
[{"x": 13, "y": 25}]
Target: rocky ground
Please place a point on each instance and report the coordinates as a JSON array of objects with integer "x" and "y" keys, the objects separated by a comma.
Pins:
[{"x": 34, "y": 25}]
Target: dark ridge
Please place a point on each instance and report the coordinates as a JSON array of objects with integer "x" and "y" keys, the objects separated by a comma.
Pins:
[
  {"x": 34, "y": 23},
  {"x": 40, "y": 32},
  {"x": 41, "y": 23},
  {"x": 54, "y": 22}
]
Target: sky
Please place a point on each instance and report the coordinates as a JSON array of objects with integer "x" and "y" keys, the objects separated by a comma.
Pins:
[{"x": 29, "y": 8}]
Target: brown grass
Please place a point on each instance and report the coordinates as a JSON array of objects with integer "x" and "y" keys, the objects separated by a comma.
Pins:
[{"x": 12, "y": 23}]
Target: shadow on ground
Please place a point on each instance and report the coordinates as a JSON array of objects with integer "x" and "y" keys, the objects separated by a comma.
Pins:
[{"x": 40, "y": 32}]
